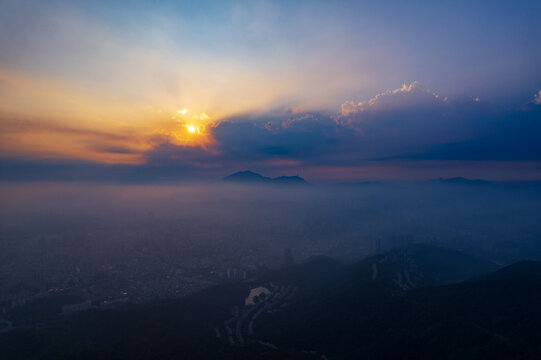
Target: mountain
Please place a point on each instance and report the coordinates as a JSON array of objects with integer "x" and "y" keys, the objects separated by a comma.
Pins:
[
  {"x": 255, "y": 178},
  {"x": 375, "y": 313},
  {"x": 461, "y": 181},
  {"x": 434, "y": 265},
  {"x": 289, "y": 180},
  {"x": 247, "y": 177}
]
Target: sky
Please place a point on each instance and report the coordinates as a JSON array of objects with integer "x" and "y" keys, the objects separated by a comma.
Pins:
[{"x": 329, "y": 90}]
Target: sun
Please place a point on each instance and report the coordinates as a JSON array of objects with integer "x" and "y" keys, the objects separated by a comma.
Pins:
[{"x": 191, "y": 129}]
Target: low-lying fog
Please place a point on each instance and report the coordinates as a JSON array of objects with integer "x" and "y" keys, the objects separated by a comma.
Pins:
[{"x": 51, "y": 229}]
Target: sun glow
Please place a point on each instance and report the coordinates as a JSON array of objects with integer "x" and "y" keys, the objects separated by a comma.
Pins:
[{"x": 191, "y": 129}]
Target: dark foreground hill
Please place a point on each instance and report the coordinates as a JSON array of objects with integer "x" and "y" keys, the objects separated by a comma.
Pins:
[
  {"x": 385, "y": 316},
  {"x": 405, "y": 304}
]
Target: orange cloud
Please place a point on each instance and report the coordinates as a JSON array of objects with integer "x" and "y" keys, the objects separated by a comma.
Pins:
[{"x": 46, "y": 118}]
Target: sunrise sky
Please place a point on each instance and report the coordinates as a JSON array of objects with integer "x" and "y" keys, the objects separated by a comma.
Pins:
[{"x": 332, "y": 90}]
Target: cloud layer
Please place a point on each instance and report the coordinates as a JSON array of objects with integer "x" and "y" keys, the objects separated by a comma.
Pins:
[{"x": 396, "y": 128}]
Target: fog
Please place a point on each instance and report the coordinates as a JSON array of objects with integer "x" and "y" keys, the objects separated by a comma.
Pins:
[{"x": 153, "y": 241}]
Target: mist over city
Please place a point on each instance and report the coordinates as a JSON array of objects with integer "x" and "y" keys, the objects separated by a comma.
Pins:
[{"x": 65, "y": 229}]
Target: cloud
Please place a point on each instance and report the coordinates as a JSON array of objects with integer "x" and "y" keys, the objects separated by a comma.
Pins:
[
  {"x": 412, "y": 95},
  {"x": 508, "y": 136},
  {"x": 306, "y": 137},
  {"x": 396, "y": 129},
  {"x": 409, "y": 123},
  {"x": 49, "y": 139},
  {"x": 411, "y": 118}
]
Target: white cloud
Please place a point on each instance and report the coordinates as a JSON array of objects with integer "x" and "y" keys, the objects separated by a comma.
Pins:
[{"x": 410, "y": 95}]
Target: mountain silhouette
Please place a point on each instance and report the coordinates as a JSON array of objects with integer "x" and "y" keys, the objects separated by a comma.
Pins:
[{"x": 255, "y": 178}]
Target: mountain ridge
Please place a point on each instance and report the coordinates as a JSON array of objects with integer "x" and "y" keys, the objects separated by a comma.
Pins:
[{"x": 248, "y": 176}]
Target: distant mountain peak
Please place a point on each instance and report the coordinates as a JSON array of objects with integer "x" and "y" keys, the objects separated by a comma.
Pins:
[
  {"x": 248, "y": 176},
  {"x": 290, "y": 180},
  {"x": 460, "y": 181}
]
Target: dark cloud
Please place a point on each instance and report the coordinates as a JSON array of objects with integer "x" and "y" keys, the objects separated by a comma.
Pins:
[
  {"x": 409, "y": 122},
  {"x": 411, "y": 118},
  {"x": 304, "y": 137},
  {"x": 514, "y": 136}
]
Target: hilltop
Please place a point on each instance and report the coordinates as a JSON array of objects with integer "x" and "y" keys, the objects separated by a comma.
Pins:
[{"x": 255, "y": 178}]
